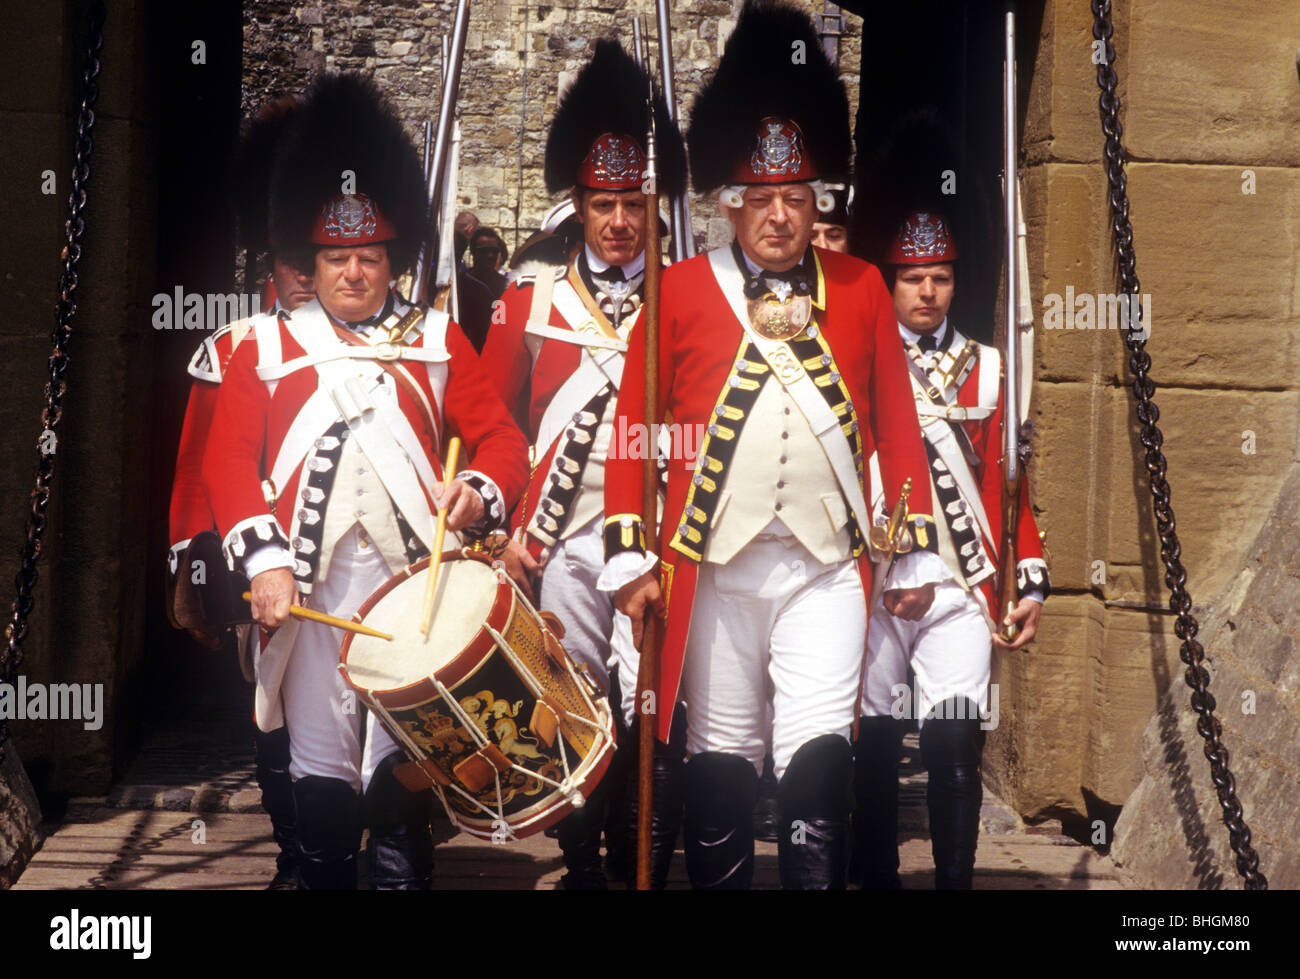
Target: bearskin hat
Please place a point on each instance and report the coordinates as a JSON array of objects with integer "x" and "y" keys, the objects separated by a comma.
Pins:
[
  {"x": 914, "y": 169},
  {"x": 609, "y": 97},
  {"x": 345, "y": 124},
  {"x": 773, "y": 68},
  {"x": 251, "y": 171}
]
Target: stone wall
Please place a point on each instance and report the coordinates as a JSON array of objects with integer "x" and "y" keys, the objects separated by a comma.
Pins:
[
  {"x": 518, "y": 56},
  {"x": 1212, "y": 126},
  {"x": 88, "y": 622},
  {"x": 1171, "y": 833}
]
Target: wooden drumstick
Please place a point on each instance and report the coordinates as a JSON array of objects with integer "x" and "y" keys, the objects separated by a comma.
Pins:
[
  {"x": 347, "y": 625},
  {"x": 435, "y": 559}
]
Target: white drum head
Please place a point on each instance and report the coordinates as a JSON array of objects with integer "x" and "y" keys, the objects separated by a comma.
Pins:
[{"x": 466, "y": 592}]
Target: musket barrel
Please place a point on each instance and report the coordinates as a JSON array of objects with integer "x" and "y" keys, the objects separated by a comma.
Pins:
[
  {"x": 1012, "y": 474},
  {"x": 1011, "y": 406},
  {"x": 638, "y": 42},
  {"x": 446, "y": 114},
  {"x": 679, "y": 207}
]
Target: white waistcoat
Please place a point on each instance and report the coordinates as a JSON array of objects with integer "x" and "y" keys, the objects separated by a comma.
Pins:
[{"x": 779, "y": 471}]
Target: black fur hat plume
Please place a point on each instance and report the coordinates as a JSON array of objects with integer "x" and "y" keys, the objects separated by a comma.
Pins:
[
  {"x": 773, "y": 65},
  {"x": 609, "y": 96},
  {"x": 251, "y": 171},
  {"x": 345, "y": 124},
  {"x": 915, "y": 168}
]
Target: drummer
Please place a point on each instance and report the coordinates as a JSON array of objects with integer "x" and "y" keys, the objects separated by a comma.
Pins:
[
  {"x": 555, "y": 357},
  {"x": 323, "y": 467}
]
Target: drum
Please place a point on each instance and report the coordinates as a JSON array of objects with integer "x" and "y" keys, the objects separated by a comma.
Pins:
[{"x": 491, "y": 710}]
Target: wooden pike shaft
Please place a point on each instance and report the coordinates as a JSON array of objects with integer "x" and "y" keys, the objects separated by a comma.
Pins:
[
  {"x": 347, "y": 625},
  {"x": 648, "y": 676},
  {"x": 435, "y": 561}
]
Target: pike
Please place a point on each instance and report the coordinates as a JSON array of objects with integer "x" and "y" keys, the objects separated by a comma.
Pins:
[{"x": 648, "y": 675}]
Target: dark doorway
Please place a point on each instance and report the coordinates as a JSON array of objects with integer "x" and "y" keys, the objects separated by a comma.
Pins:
[{"x": 198, "y": 120}]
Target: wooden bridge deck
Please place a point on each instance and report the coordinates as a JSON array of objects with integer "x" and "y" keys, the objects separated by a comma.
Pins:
[{"x": 188, "y": 817}]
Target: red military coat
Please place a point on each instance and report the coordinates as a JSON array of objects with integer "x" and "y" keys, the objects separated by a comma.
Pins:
[
  {"x": 700, "y": 340},
  {"x": 254, "y": 415},
  {"x": 976, "y": 407},
  {"x": 529, "y": 371},
  {"x": 189, "y": 513}
]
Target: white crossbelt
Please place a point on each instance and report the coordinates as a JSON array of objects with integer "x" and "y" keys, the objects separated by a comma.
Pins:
[
  {"x": 801, "y": 388},
  {"x": 346, "y": 390},
  {"x": 598, "y": 366}
]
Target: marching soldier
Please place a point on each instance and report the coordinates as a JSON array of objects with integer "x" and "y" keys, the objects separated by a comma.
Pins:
[
  {"x": 290, "y": 280},
  {"x": 557, "y": 359},
  {"x": 323, "y": 466},
  {"x": 786, "y": 360},
  {"x": 831, "y": 230},
  {"x": 956, "y": 384}
]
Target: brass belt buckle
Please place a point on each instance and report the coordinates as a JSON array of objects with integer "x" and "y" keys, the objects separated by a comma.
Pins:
[{"x": 388, "y": 351}]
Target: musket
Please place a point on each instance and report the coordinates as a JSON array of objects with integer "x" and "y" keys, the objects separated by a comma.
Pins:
[
  {"x": 445, "y": 256},
  {"x": 638, "y": 42},
  {"x": 435, "y": 177},
  {"x": 680, "y": 208},
  {"x": 1012, "y": 470},
  {"x": 648, "y": 674}
]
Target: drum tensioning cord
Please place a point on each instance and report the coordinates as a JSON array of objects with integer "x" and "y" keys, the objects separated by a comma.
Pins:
[
  {"x": 57, "y": 386},
  {"x": 1180, "y": 601}
]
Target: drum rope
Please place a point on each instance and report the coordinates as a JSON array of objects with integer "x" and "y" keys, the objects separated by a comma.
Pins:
[
  {"x": 57, "y": 386},
  {"x": 1180, "y": 600}
]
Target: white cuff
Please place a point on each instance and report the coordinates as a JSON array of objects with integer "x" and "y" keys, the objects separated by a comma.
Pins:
[
  {"x": 623, "y": 568},
  {"x": 917, "y": 568},
  {"x": 174, "y": 556},
  {"x": 1035, "y": 596},
  {"x": 266, "y": 558}
]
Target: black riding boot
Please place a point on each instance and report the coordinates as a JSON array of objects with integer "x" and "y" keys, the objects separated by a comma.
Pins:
[
  {"x": 669, "y": 778},
  {"x": 720, "y": 794},
  {"x": 766, "y": 819},
  {"x": 272, "y": 754},
  {"x": 329, "y": 833},
  {"x": 579, "y": 834},
  {"x": 950, "y": 749},
  {"x": 874, "y": 864},
  {"x": 620, "y": 849},
  {"x": 814, "y": 799},
  {"x": 400, "y": 851}
]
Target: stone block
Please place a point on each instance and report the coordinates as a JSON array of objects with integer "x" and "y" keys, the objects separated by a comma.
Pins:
[
  {"x": 1204, "y": 250},
  {"x": 1219, "y": 86},
  {"x": 1070, "y": 255},
  {"x": 1136, "y": 663},
  {"x": 1221, "y": 495},
  {"x": 1061, "y": 120},
  {"x": 1069, "y": 476},
  {"x": 1035, "y": 756},
  {"x": 20, "y": 819}
]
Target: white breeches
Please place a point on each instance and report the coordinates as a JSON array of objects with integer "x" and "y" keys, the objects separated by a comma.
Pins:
[
  {"x": 324, "y": 713},
  {"x": 773, "y": 625},
  {"x": 948, "y": 648},
  {"x": 595, "y": 635}
]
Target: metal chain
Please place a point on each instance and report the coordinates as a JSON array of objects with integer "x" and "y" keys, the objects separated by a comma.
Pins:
[
  {"x": 57, "y": 386},
  {"x": 1180, "y": 601}
]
